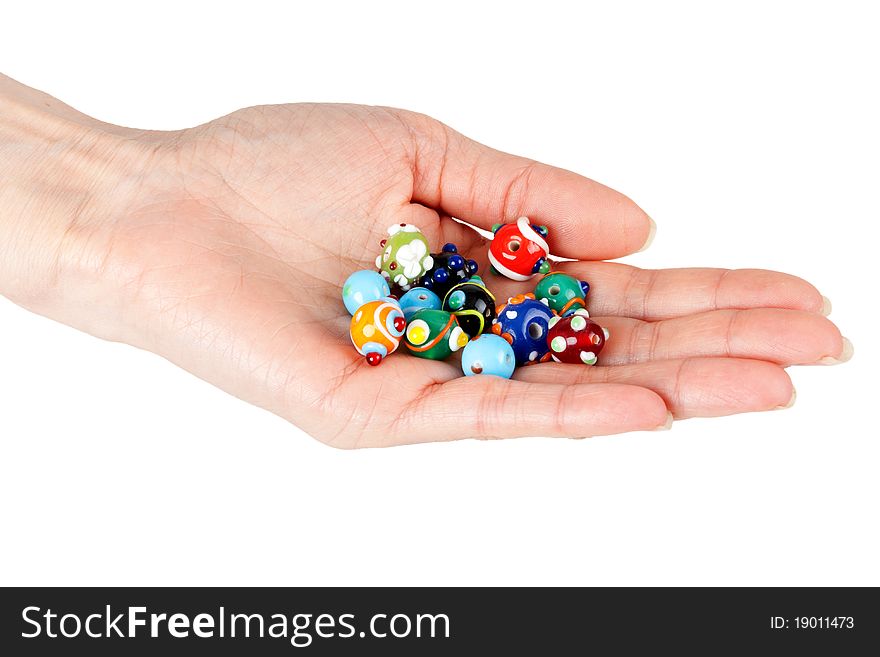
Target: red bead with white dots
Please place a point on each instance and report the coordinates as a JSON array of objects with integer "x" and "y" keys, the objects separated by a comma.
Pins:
[{"x": 576, "y": 339}]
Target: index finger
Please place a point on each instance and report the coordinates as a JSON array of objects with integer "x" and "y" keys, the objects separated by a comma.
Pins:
[{"x": 483, "y": 186}]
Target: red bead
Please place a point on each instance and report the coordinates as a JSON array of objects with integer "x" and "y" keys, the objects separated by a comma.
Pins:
[
  {"x": 518, "y": 251},
  {"x": 373, "y": 358},
  {"x": 575, "y": 339},
  {"x": 399, "y": 323}
]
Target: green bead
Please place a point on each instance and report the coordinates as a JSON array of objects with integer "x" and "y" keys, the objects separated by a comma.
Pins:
[
  {"x": 433, "y": 334},
  {"x": 563, "y": 293},
  {"x": 405, "y": 256}
]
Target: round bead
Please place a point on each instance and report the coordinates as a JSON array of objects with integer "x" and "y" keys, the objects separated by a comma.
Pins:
[
  {"x": 488, "y": 354},
  {"x": 576, "y": 339},
  {"x": 376, "y": 328},
  {"x": 473, "y": 304},
  {"x": 433, "y": 334},
  {"x": 417, "y": 299},
  {"x": 362, "y": 287},
  {"x": 524, "y": 322},
  {"x": 456, "y": 262},
  {"x": 563, "y": 293},
  {"x": 448, "y": 269},
  {"x": 518, "y": 251},
  {"x": 405, "y": 256}
]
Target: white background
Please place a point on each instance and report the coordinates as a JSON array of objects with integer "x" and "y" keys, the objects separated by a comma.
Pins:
[{"x": 750, "y": 134}]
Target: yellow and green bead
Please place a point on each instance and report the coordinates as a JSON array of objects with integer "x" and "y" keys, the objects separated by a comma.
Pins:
[{"x": 433, "y": 334}]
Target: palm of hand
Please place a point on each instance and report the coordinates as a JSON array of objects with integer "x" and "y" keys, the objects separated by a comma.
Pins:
[{"x": 235, "y": 246}]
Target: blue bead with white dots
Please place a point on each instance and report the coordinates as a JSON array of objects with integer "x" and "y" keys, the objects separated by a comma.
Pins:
[{"x": 524, "y": 322}]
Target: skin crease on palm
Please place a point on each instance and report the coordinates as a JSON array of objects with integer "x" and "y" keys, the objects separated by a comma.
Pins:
[{"x": 223, "y": 248}]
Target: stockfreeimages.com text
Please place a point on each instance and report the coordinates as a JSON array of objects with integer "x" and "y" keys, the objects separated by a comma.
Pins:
[{"x": 300, "y": 629}]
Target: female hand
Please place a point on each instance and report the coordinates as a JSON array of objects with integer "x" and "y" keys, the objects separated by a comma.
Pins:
[{"x": 224, "y": 247}]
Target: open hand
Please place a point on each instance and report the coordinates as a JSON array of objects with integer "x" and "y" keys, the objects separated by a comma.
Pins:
[{"x": 224, "y": 247}]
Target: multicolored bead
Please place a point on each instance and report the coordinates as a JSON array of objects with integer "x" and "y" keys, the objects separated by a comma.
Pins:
[
  {"x": 519, "y": 250},
  {"x": 376, "y": 329},
  {"x": 433, "y": 334},
  {"x": 576, "y": 339},
  {"x": 451, "y": 304},
  {"x": 473, "y": 305},
  {"x": 488, "y": 354},
  {"x": 563, "y": 293},
  {"x": 524, "y": 322},
  {"x": 405, "y": 256},
  {"x": 448, "y": 269},
  {"x": 362, "y": 287}
]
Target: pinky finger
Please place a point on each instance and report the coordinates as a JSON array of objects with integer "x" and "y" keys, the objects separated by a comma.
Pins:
[{"x": 490, "y": 407}]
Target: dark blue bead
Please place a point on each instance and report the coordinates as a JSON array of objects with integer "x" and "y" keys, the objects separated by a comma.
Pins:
[
  {"x": 473, "y": 267},
  {"x": 537, "y": 265},
  {"x": 527, "y": 323},
  {"x": 449, "y": 247},
  {"x": 455, "y": 262},
  {"x": 441, "y": 276},
  {"x": 585, "y": 287}
]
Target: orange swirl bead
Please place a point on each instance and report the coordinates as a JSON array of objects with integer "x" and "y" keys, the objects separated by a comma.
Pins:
[{"x": 376, "y": 329}]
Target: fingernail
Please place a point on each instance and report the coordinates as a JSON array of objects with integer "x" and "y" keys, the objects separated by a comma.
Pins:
[
  {"x": 844, "y": 356},
  {"x": 790, "y": 401},
  {"x": 651, "y": 234},
  {"x": 826, "y": 306},
  {"x": 666, "y": 426}
]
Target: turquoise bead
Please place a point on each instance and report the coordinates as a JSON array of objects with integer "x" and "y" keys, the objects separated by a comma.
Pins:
[
  {"x": 488, "y": 354},
  {"x": 419, "y": 298},
  {"x": 362, "y": 287}
]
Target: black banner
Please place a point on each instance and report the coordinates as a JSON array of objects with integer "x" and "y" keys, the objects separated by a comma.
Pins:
[{"x": 430, "y": 621}]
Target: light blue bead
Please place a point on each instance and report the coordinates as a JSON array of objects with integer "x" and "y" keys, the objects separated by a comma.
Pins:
[
  {"x": 419, "y": 298},
  {"x": 362, "y": 287},
  {"x": 488, "y": 354}
]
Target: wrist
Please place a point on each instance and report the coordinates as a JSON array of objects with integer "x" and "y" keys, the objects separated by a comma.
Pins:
[{"x": 60, "y": 175}]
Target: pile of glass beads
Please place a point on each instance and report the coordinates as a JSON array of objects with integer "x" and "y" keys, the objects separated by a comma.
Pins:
[{"x": 441, "y": 306}]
